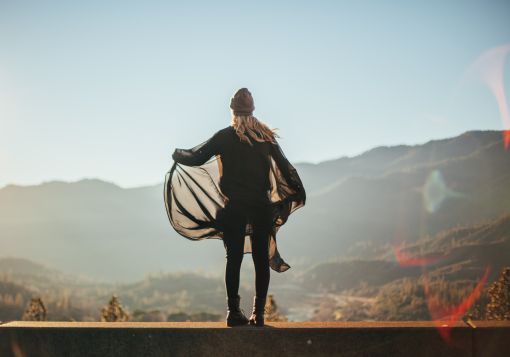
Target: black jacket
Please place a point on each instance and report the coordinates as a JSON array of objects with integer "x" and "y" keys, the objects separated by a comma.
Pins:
[{"x": 203, "y": 178}]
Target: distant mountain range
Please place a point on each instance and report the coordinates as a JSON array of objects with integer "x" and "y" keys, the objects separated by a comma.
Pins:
[
  {"x": 428, "y": 277},
  {"x": 451, "y": 263},
  {"x": 356, "y": 207},
  {"x": 456, "y": 254},
  {"x": 67, "y": 297}
]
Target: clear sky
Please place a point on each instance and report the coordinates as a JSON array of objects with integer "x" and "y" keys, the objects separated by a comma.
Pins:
[{"x": 108, "y": 89}]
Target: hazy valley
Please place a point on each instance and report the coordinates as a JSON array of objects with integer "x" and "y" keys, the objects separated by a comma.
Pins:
[{"x": 353, "y": 248}]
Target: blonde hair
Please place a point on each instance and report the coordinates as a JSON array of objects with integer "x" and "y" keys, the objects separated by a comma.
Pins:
[{"x": 247, "y": 126}]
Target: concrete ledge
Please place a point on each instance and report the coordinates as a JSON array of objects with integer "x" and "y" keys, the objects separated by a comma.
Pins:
[{"x": 20, "y": 338}]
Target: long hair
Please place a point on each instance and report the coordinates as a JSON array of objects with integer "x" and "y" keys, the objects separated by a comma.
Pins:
[{"x": 247, "y": 126}]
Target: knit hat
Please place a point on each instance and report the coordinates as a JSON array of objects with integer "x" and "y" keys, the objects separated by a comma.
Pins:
[{"x": 242, "y": 102}]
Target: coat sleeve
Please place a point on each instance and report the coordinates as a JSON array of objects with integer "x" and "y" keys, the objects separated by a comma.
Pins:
[
  {"x": 288, "y": 171},
  {"x": 199, "y": 154}
]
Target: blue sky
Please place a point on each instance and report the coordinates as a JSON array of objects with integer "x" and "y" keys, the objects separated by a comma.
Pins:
[{"x": 108, "y": 89}]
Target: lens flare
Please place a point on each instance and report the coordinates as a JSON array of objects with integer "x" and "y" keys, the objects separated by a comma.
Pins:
[
  {"x": 406, "y": 260},
  {"x": 489, "y": 68},
  {"x": 441, "y": 313},
  {"x": 435, "y": 192},
  {"x": 444, "y": 316}
]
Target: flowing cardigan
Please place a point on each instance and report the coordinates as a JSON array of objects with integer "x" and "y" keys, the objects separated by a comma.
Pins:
[{"x": 195, "y": 202}]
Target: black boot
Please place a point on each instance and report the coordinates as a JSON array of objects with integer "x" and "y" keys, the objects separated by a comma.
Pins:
[
  {"x": 235, "y": 316},
  {"x": 257, "y": 316}
]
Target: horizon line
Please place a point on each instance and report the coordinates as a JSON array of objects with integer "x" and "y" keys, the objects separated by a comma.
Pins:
[{"x": 96, "y": 178}]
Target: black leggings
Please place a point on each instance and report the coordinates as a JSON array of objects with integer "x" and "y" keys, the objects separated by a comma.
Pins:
[{"x": 237, "y": 215}]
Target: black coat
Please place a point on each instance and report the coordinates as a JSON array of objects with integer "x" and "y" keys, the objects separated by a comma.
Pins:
[{"x": 203, "y": 178}]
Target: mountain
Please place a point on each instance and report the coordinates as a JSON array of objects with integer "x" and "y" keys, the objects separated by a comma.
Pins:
[
  {"x": 67, "y": 297},
  {"x": 420, "y": 281},
  {"x": 98, "y": 229},
  {"x": 389, "y": 288},
  {"x": 462, "y": 253},
  {"x": 384, "y": 159},
  {"x": 385, "y": 197},
  {"x": 356, "y": 207}
]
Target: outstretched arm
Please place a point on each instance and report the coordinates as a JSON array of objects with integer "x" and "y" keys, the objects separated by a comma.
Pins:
[{"x": 199, "y": 154}]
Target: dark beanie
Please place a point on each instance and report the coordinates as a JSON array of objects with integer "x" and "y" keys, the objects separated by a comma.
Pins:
[{"x": 242, "y": 102}]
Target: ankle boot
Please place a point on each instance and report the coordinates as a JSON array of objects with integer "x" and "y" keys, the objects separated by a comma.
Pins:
[
  {"x": 235, "y": 316},
  {"x": 257, "y": 316}
]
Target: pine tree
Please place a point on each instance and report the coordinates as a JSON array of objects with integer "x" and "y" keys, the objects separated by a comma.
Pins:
[
  {"x": 498, "y": 307},
  {"x": 35, "y": 311},
  {"x": 113, "y": 312},
  {"x": 271, "y": 310}
]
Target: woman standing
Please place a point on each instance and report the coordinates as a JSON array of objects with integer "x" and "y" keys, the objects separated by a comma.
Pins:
[{"x": 242, "y": 196}]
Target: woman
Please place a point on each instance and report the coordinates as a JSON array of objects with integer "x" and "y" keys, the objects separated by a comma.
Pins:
[{"x": 242, "y": 196}]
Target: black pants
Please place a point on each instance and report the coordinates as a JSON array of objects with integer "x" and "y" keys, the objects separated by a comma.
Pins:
[{"x": 237, "y": 215}]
